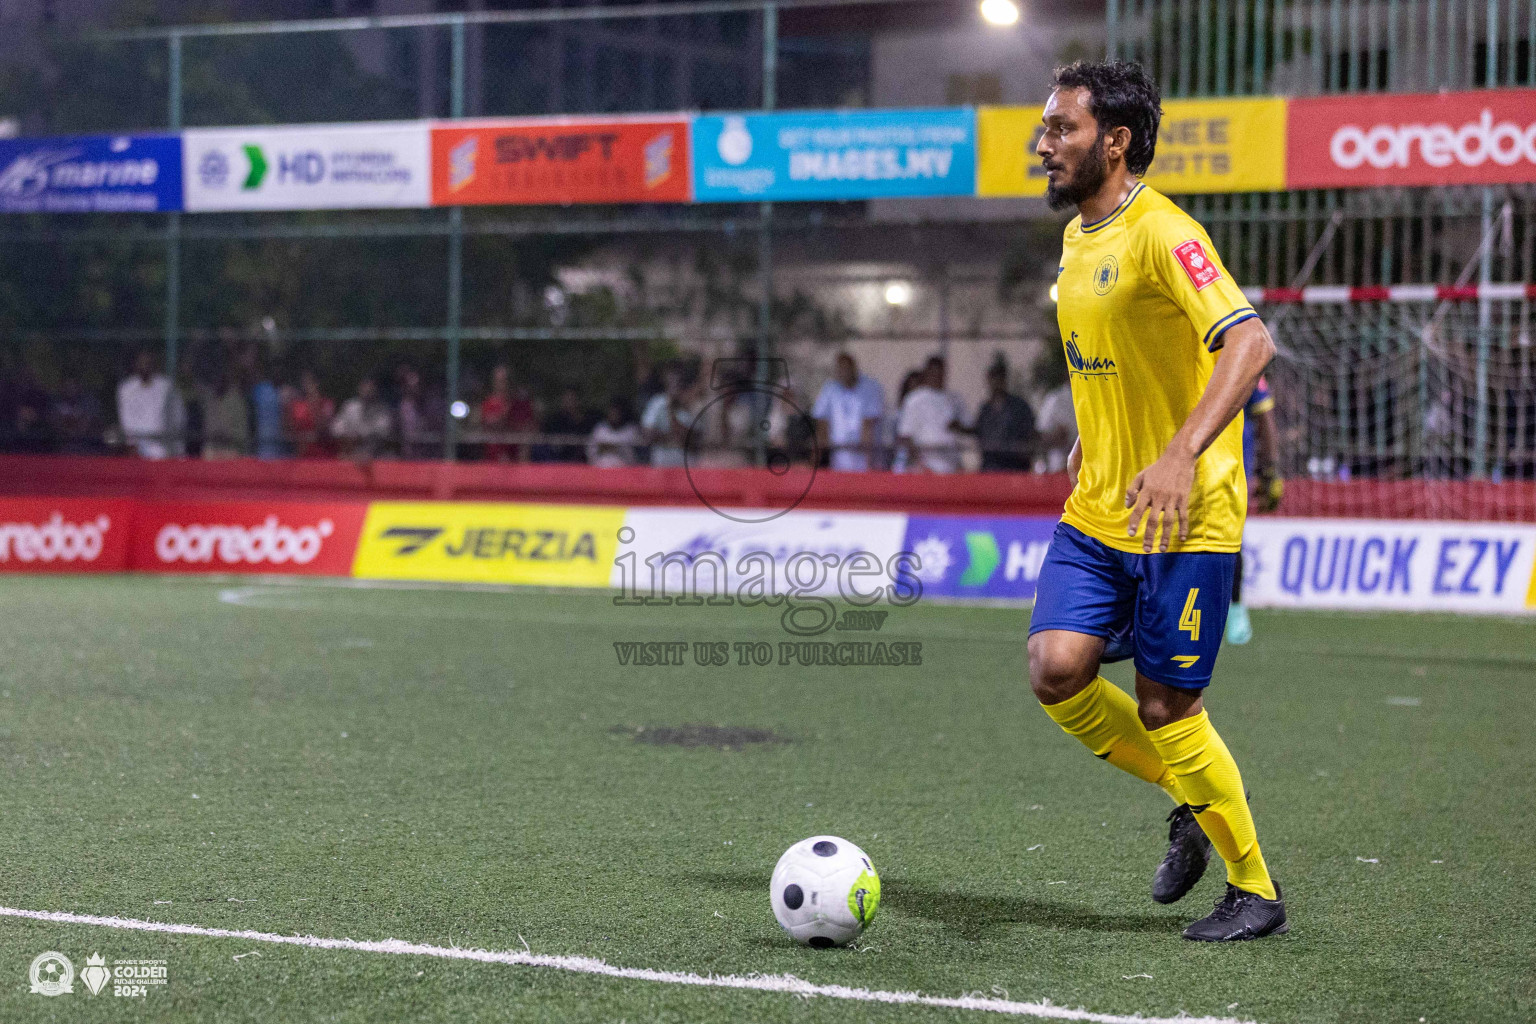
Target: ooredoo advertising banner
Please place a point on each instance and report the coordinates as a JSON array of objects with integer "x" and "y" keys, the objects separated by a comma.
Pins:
[
  {"x": 1454, "y": 138},
  {"x": 1206, "y": 145},
  {"x": 561, "y": 160},
  {"x": 836, "y": 154},
  {"x": 308, "y": 167},
  {"x": 1404, "y": 565},
  {"x": 301, "y": 538},
  {"x": 91, "y": 174},
  {"x": 64, "y": 534},
  {"x": 489, "y": 542}
]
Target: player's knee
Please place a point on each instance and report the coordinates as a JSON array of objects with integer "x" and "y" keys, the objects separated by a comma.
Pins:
[
  {"x": 1056, "y": 675},
  {"x": 1154, "y": 715}
]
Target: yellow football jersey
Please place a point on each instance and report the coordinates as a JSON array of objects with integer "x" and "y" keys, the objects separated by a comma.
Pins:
[{"x": 1142, "y": 302}]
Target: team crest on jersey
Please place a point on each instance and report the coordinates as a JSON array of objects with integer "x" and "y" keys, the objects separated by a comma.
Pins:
[
  {"x": 1105, "y": 275},
  {"x": 1088, "y": 366},
  {"x": 1200, "y": 268}
]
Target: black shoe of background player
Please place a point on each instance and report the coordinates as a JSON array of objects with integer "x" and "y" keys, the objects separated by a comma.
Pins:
[
  {"x": 1241, "y": 915},
  {"x": 1189, "y": 851}
]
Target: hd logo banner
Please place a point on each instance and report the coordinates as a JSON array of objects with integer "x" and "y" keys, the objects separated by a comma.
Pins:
[
  {"x": 977, "y": 556},
  {"x": 308, "y": 167},
  {"x": 1207, "y": 145},
  {"x": 91, "y": 174},
  {"x": 842, "y": 154},
  {"x": 485, "y": 542}
]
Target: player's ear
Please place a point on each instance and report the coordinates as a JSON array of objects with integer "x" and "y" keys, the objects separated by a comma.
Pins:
[{"x": 1116, "y": 142}]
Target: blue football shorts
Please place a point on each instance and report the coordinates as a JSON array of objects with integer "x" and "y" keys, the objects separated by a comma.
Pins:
[{"x": 1167, "y": 611}]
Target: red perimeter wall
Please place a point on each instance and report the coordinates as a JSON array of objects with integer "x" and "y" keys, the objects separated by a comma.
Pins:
[{"x": 978, "y": 494}]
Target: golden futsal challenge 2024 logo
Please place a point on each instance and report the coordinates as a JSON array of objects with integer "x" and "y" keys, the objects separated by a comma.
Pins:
[{"x": 53, "y": 974}]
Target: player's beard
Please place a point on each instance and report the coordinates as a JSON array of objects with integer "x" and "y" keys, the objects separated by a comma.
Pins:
[{"x": 1086, "y": 180}]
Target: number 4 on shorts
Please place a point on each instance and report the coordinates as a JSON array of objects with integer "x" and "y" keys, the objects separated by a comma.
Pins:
[{"x": 1189, "y": 622}]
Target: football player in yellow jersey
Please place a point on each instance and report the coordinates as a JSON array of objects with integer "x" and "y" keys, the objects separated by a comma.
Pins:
[{"x": 1163, "y": 351}]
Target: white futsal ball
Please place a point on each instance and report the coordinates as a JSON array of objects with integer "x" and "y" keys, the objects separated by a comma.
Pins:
[{"x": 825, "y": 891}]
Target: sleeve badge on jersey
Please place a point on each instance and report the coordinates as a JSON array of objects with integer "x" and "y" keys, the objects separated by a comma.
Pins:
[{"x": 1200, "y": 268}]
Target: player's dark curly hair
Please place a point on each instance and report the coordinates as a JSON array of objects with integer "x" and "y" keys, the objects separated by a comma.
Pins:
[{"x": 1119, "y": 96}]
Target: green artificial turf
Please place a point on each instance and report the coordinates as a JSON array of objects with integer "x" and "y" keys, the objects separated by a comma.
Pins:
[{"x": 463, "y": 768}]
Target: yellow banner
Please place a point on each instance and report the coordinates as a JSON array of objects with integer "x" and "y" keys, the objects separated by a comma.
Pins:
[
  {"x": 1207, "y": 145},
  {"x": 484, "y": 542}
]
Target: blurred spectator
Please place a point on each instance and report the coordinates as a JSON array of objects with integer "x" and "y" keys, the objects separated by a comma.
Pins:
[
  {"x": 144, "y": 408},
  {"x": 568, "y": 418},
  {"x": 668, "y": 416},
  {"x": 226, "y": 420},
  {"x": 364, "y": 424},
  {"x": 894, "y": 452},
  {"x": 1005, "y": 425},
  {"x": 76, "y": 418},
  {"x": 416, "y": 434},
  {"x": 1057, "y": 422},
  {"x": 29, "y": 427},
  {"x": 505, "y": 411},
  {"x": 614, "y": 438},
  {"x": 847, "y": 413},
  {"x": 930, "y": 416},
  {"x": 309, "y": 414},
  {"x": 266, "y": 410}
]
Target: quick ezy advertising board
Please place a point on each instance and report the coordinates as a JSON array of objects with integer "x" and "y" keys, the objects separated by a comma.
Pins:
[
  {"x": 836, "y": 154},
  {"x": 91, "y": 174},
  {"x": 308, "y": 167},
  {"x": 1383, "y": 564}
]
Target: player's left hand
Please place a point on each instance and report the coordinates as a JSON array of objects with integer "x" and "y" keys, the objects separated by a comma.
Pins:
[{"x": 1160, "y": 494}]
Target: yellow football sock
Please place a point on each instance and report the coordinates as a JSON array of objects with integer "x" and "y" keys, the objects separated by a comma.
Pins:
[
  {"x": 1103, "y": 717},
  {"x": 1214, "y": 788}
]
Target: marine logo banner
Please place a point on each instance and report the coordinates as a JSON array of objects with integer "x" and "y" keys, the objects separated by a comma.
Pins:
[{"x": 91, "y": 174}]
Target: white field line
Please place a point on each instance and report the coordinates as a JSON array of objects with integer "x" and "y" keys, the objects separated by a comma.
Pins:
[{"x": 785, "y": 983}]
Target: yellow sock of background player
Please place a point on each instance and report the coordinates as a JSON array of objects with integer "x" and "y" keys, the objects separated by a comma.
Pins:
[
  {"x": 1103, "y": 717},
  {"x": 1214, "y": 789}
]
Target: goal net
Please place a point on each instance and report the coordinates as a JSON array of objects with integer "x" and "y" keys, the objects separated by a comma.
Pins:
[{"x": 1423, "y": 406}]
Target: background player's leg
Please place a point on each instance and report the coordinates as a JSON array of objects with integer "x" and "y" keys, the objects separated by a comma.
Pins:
[
  {"x": 1181, "y": 731},
  {"x": 1239, "y": 626},
  {"x": 1064, "y": 674}
]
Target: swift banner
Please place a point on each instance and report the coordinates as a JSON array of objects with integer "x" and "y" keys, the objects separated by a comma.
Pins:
[
  {"x": 91, "y": 174},
  {"x": 1213, "y": 145},
  {"x": 308, "y": 167},
  {"x": 484, "y": 542},
  {"x": 1404, "y": 565},
  {"x": 561, "y": 160},
  {"x": 848, "y": 154},
  {"x": 1454, "y": 138}
]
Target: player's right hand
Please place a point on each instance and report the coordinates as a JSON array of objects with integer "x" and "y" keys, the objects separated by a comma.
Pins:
[{"x": 1074, "y": 463}]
